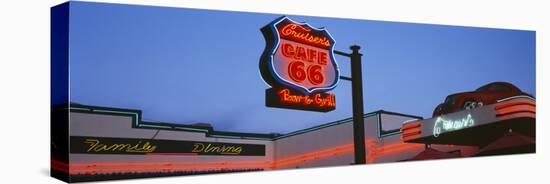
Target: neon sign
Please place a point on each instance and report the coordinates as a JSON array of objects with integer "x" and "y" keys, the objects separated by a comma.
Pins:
[
  {"x": 299, "y": 58},
  {"x": 130, "y": 146},
  {"x": 287, "y": 98},
  {"x": 96, "y": 145},
  {"x": 446, "y": 125},
  {"x": 295, "y": 31},
  {"x": 223, "y": 149}
]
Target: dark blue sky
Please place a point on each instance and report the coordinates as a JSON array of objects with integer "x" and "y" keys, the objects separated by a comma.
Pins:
[{"x": 184, "y": 65}]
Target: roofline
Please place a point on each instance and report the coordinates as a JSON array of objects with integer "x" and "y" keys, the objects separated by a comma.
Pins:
[
  {"x": 342, "y": 121},
  {"x": 137, "y": 122}
]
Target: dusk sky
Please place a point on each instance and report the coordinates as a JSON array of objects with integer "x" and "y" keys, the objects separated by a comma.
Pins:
[{"x": 185, "y": 66}]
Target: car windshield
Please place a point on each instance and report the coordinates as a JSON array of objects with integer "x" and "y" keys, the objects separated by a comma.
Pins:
[
  {"x": 450, "y": 99},
  {"x": 482, "y": 88}
]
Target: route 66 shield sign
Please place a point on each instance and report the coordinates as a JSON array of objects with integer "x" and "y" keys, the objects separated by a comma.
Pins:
[
  {"x": 298, "y": 63},
  {"x": 298, "y": 56}
]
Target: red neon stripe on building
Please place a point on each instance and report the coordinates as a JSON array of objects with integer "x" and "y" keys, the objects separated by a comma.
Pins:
[
  {"x": 516, "y": 109},
  {"x": 410, "y": 125},
  {"x": 519, "y": 101},
  {"x": 91, "y": 168}
]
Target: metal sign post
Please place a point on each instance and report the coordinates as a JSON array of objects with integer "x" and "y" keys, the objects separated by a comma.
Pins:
[{"x": 357, "y": 98}]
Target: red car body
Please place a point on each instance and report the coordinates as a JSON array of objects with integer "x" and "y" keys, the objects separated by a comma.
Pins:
[{"x": 488, "y": 94}]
